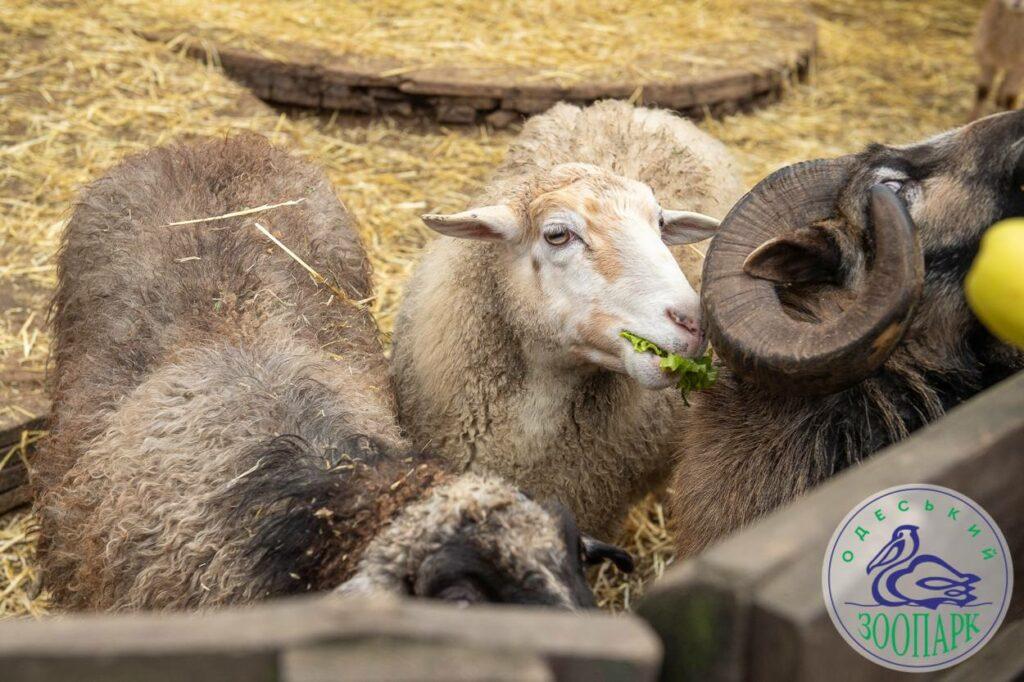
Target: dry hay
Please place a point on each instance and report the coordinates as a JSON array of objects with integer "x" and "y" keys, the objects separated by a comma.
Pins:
[
  {"x": 77, "y": 94},
  {"x": 561, "y": 42},
  {"x": 20, "y": 592},
  {"x": 20, "y": 584}
]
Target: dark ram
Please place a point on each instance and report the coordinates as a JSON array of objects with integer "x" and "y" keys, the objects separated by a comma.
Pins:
[{"x": 834, "y": 294}]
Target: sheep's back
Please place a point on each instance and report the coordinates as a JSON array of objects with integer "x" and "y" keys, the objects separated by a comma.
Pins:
[
  {"x": 134, "y": 289},
  {"x": 201, "y": 489},
  {"x": 686, "y": 167}
]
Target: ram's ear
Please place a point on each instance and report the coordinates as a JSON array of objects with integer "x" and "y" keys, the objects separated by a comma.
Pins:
[
  {"x": 487, "y": 222},
  {"x": 686, "y": 227},
  {"x": 801, "y": 256}
]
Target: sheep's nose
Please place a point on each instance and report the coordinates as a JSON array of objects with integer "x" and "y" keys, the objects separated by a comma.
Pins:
[{"x": 683, "y": 320}]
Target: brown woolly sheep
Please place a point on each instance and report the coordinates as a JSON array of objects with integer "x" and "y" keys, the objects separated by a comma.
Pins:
[
  {"x": 507, "y": 354},
  {"x": 222, "y": 427},
  {"x": 843, "y": 325},
  {"x": 999, "y": 47}
]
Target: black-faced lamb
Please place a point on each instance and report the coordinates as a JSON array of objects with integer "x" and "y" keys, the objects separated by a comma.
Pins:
[
  {"x": 507, "y": 350},
  {"x": 999, "y": 49},
  {"x": 223, "y": 429},
  {"x": 834, "y": 293}
]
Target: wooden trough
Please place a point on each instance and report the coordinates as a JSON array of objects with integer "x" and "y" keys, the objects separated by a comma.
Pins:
[
  {"x": 311, "y": 77},
  {"x": 750, "y": 608}
]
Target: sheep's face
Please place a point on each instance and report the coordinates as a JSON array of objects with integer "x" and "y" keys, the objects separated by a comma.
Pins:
[
  {"x": 587, "y": 256},
  {"x": 478, "y": 540}
]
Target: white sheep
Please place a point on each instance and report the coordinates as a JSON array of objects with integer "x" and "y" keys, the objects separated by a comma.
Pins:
[
  {"x": 508, "y": 356},
  {"x": 999, "y": 48}
]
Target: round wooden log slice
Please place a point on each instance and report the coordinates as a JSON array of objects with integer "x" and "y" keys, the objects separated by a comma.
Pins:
[{"x": 312, "y": 77}]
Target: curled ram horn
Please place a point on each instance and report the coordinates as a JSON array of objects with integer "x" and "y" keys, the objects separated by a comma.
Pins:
[{"x": 746, "y": 320}]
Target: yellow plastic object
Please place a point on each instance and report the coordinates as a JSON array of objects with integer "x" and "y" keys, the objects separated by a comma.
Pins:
[{"x": 995, "y": 283}]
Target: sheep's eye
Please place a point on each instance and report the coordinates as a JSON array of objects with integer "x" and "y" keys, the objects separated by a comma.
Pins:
[
  {"x": 661, "y": 220},
  {"x": 558, "y": 237},
  {"x": 894, "y": 185}
]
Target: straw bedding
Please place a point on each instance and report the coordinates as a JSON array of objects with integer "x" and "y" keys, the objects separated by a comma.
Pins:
[
  {"x": 540, "y": 41},
  {"x": 78, "y": 90}
]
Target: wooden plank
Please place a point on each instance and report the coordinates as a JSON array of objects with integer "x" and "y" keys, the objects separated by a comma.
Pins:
[
  {"x": 12, "y": 499},
  {"x": 701, "y": 618},
  {"x": 1001, "y": 659},
  {"x": 282, "y": 637},
  {"x": 388, "y": 661},
  {"x": 14, "y": 476},
  {"x": 22, "y": 394},
  {"x": 760, "y": 589},
  {"x": 11, "y": 430},
  {"x": 313, "y": 77},
  {"x": 248, "y": 667}
]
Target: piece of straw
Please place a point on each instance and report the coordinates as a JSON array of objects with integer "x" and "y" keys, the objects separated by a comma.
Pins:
[
  {"x": 235, "y": 214},
  {"x": 317, "y": 277}
]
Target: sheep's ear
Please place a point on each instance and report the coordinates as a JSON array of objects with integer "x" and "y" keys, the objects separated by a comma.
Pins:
[
  {"x": 686, "y": 227},
  {"x": 801, "y": 256},
  {"x": 596, "y": 552},
  {"x": 487, "y": 222}
]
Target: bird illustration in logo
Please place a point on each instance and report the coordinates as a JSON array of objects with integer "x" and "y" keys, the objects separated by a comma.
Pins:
[{"x": 906, "y": 578}]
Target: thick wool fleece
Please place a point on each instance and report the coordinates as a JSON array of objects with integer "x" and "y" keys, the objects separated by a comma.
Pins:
[
  {"x": 464, "y": 361},
  {"x": 223, "y": 428},
  {"x": 518, "y": 535},
  {"x": 181, "y": 353}
]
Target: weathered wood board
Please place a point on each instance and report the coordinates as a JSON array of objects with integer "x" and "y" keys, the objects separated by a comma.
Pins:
[
  {"x": 23, "y": 402},
  {"x": 311, "y": 77},
  {"x": 22, "y": 397},
  {"x": 751, "y": 607},
  {"x": 329, "y": 638}
]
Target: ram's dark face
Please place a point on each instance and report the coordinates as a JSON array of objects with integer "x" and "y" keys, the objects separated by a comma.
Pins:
[
  {"x": 821, "y": 270},
  {"x": 955, "y": 186}
]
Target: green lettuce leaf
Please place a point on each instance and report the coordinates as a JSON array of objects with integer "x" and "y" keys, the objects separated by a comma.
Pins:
[{"x": 691, "y": 374}]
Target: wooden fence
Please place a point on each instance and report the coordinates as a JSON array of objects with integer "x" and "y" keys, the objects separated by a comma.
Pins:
[
  {"x": 749, "y": 608},
  {"x": 328, "y": 638}
]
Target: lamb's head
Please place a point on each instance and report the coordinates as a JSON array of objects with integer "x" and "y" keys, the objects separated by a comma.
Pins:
[
  {"x": 585, "y": 256},
  {"x": 478, "y": 539},
  {"x": 820, "y": 272}
]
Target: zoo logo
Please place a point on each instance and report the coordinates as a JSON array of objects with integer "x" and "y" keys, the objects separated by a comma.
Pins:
[{"x": 917, "y": 578}]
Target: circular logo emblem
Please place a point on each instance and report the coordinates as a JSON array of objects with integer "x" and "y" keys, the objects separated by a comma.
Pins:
[{"x": 917, "y": 578}]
